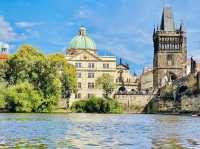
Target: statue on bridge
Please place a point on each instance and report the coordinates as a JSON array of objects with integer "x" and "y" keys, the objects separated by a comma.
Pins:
[{"x": 193, "y": 65}]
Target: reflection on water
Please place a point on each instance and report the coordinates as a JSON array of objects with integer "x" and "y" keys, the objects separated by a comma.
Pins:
[{"x": 93, "y": 131}]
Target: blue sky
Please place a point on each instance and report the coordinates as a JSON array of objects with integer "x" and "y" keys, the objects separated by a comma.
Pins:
[{"x": 119, "y": 27}]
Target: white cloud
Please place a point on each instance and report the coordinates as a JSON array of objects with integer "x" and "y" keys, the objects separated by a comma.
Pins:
[
  {"x": 83, "y": 13},
  {"x": 5, "y": 45},
  {"x": 24, "y": 24},
  {"x": 6, "y": 31}
]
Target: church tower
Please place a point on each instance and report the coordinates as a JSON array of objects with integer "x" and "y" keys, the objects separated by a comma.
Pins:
[{"x": 170, "y": 50}]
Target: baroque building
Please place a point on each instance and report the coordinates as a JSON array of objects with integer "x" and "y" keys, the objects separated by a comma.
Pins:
[
  {"x": 128, "y": 82},
  {"x": 82, "y": 53},
  {"x": 170, "y": 50}
]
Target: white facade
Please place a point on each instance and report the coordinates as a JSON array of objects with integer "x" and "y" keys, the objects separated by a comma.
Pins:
[
  {"x": 89, "y": 67},
  {"x": 82, "y": 53}
]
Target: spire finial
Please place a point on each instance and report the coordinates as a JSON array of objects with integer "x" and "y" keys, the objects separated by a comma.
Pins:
[
  {"x": 120, "y": 61},
  {"x": 182, "y": 26}
]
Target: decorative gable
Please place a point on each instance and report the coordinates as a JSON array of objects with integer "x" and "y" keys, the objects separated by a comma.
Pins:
[{"x": 85, "y": 55}]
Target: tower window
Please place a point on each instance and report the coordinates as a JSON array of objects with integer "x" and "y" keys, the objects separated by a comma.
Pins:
[{"x": 170, "y": 59}]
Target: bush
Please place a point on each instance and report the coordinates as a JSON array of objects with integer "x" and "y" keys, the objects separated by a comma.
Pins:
[
  {"x": 23, "y": 98},
  {"x": 96, "y": 105},
  {"x": 168, "y": 91},
  {"x": 79, "y": 106}
]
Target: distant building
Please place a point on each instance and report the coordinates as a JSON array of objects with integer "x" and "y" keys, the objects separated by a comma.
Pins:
[
  {"x": 170, "y": 50},
  {"x": 82, "y": 53},
  {"x": 3, "y": 52},
  {"x": 126, "y": 79},
  {"x": 146, "y": 80},
  {"x": 197, "y": 69}
]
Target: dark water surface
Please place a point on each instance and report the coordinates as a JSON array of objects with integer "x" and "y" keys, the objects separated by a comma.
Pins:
[{"x": 94, "y": 131}]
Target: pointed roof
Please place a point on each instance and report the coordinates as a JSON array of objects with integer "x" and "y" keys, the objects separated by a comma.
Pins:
[
  {"x": 182, "y": 27},
  {"x": 167, "y": 21}
]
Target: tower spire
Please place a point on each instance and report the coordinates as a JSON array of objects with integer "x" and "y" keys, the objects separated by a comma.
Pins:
[{"x": 167, "y": 20}]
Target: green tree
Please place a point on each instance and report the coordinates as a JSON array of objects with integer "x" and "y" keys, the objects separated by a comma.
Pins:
[
  {"x": 29, "y": 65},
  {"x": 2, "y": 96},
  {"x": 3, "y": 67},
  {"x": 51, "y": 76},
  {"x": 66, "y": 73},
  {"x": 45, "y": 78},
  {"x": 105, "y": 82},
  {"x": 20, "y": 64}
]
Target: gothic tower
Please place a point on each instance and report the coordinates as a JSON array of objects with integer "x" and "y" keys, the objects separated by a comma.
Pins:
[{"x": 170, "y": 50}]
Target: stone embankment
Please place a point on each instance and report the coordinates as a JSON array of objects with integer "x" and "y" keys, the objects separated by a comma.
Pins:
[{"x": 133, "y": 103}]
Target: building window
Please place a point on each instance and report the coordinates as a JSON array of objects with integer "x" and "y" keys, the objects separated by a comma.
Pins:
[
  {"x": 90, "y": 85},
  {"x": 170, "y": 60},
  {"x": 78, "y": 65},
  {"x": 90, "y": 65},
  {"x": 79, "y": 84},
  {"x": 78, "y": 95},
  {"x": 105, "y": 65},
  {"x": 90, "y": 95},
  {"x": 79, "y": 75},
  {"x": 90, "y": 75}
]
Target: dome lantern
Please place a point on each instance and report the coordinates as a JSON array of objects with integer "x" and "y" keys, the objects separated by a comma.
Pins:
[
  {"x": 82, "y": 31},
  {"x": 82, "y": 41}
]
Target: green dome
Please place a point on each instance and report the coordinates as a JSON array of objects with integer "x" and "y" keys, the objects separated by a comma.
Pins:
[{"x": 82, "y": 41}]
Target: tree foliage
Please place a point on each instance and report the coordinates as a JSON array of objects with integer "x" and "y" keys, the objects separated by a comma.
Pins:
[
  {"x": 2, "y": 96},
  {"x": 106, "y": 82},
  {"x": 47, "y": 79},
  {"x": 23, "y": 98}
]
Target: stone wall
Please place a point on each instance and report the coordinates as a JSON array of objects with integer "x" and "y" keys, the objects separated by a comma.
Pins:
[
  {"x": 133, "y": 103},
  {"x": 165, "y": 105},
  {"x": 190, "y": 104}
]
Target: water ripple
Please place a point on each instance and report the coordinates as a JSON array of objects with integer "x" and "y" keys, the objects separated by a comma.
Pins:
[{"x": 97, "y": 131}]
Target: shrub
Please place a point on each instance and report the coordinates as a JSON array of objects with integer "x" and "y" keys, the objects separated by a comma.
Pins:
[
  {"x": 168, "y": 90},
  {"x": 96, "y": 105},
  {"x": 78, "y": 106}
]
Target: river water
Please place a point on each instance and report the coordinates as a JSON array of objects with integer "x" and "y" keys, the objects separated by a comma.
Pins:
[{"x": 96, "y": 131}]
